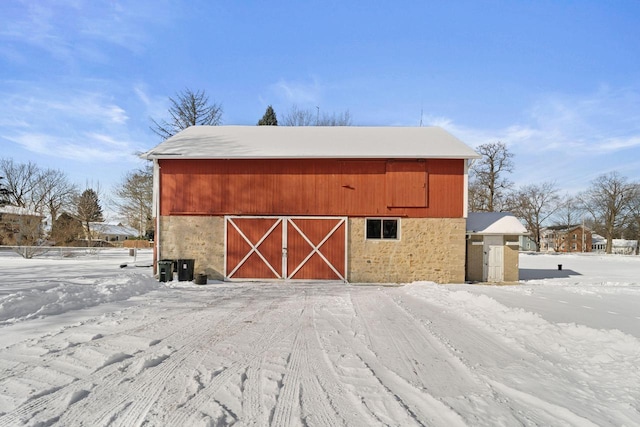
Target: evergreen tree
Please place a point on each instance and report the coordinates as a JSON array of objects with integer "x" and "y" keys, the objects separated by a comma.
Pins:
[
  {"x": 269, "y": 118},
  {"x": 88, "y": 210}
]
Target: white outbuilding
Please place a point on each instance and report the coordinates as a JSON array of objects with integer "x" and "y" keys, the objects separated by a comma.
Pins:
[{"x": 492, "y": 247}]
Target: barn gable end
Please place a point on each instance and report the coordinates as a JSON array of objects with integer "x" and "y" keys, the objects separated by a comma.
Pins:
[{"x": 368, "y": 213}]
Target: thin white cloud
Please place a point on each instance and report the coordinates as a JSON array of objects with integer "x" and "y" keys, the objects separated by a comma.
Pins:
[
  {"x": 106, "y": 140},
  {"x": 63, "y": 123},
  {"x": 75, "y": 30},
  {"x": 299, "y": 93},
  {"x": 88, "y": 148},
  {"x": 140, "y": 92},
  {"x": 155, "y": 106},
  {"x": 615, "y": 144},
  {"x": 602, "y": 122},
  {"x": 606, "y": 121},
  {"x": 567, "y": 139}
]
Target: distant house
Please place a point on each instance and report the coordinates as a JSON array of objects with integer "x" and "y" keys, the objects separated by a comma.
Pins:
[
  {"x": 527, "y": 243},
  {"x": 576, "y": 238},
  {"x": 492, "y": 247},
  {"x": 356, "y": 204},
  {"x": 19, "y": 226},
  {"x": 618, "y": 246},
  {"x": 112, "y": 232},
  {"x": 558, "y": 238},
  {"x": 547, "y": 240}
]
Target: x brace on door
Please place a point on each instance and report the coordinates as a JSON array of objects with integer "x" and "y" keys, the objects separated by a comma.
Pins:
[
  {"x": 254, "y": 248},
  {"x": 315, "y": 249},
  {"x": 289, "y": 225}
]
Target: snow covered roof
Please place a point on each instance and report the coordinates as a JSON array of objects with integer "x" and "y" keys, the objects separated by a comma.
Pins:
[
  {"x": 494, "y": 223},
  {"x": 597, "y": 239},
  {"x": 16, "y": 210},
  {"x": 624, "y": 243},
  {"x": 282, "y": 142},
  {"x": 113, "y": 229}
]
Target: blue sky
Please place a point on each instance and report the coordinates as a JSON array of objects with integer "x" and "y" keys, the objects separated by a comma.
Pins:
[{"x": 558, "y": 82}]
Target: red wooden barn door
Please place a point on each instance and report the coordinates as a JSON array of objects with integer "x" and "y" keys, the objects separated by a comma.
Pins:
[
  {"x": 316, "y": 248},
  {"x": 296, "y": 248},
  {"x": 254, "y": 248}
]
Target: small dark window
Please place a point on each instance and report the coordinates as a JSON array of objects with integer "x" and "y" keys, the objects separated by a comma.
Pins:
[
  {"x": 389, "y": 228},
  {"x": 374, "y": 228},
  {"x": 382, "y": 228}
]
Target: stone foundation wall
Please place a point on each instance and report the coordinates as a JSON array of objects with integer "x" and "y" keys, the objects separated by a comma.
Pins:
[
  {"x": 430, "y": 249},
  {"x": 197, "y": 237}
]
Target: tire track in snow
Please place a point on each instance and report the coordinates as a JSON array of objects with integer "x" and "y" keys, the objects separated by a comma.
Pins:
[
  {"x": 60, "y": 355},
  {"x": 507, "y": 405},
  {"x": 414, "y": 398},
  {"x": 251, "y": 388},
  {"x": 346, "y": 406},
  {"x": 551, "y": 413},
  {"x": 353, "y": 364},
  {"x": 270, "y": 335},
  {"x": 301, "y": 393},
  {"x": 287, "y": 403},
  {"x": 146, "y": 391},
  {"x": 110, "y": 379}
]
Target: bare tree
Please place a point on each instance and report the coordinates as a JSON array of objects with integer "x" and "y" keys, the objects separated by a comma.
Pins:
[
  {"x": 21, "y": 182},
  {"x": 609, "y": 200},
  {"x": 477, "y": 197},
  {"x": 535, "y": 204},
  {"x": 188, "y": 108},
  {"x": 299, "y": 117},
  {"x": 633, "y": 228},
  {"x": 54, "y": 193},
  {"x": 488, "y": 183},
  {"x": 44, "y": 192},
  {"x": 135, "y": 198},
  {"x": 569, "y": 212},
  {"x": 309, "y": 117},
  {"x": 336, "y": 119}
]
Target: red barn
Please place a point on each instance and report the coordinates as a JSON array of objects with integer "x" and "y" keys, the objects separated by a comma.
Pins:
[{"x": 357, "y": 204}]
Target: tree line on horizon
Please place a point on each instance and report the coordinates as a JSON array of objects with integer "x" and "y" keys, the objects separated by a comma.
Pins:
[
  {"x": 610, "y": 206},
  {"x": 189, "y": 108}
]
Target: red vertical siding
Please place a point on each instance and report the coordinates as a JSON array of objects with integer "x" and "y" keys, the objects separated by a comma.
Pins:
[
  {"x": 313, "y": 187},
  {"x": 406, "y": 183}
]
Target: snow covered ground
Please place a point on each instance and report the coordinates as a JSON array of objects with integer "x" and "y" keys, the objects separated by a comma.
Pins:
[{"x": 84, "y": 342}]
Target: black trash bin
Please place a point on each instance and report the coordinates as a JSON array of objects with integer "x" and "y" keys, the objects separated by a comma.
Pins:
[
  {"x": 165, "y": 270},
  {"x": 185, "y": 269}
]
